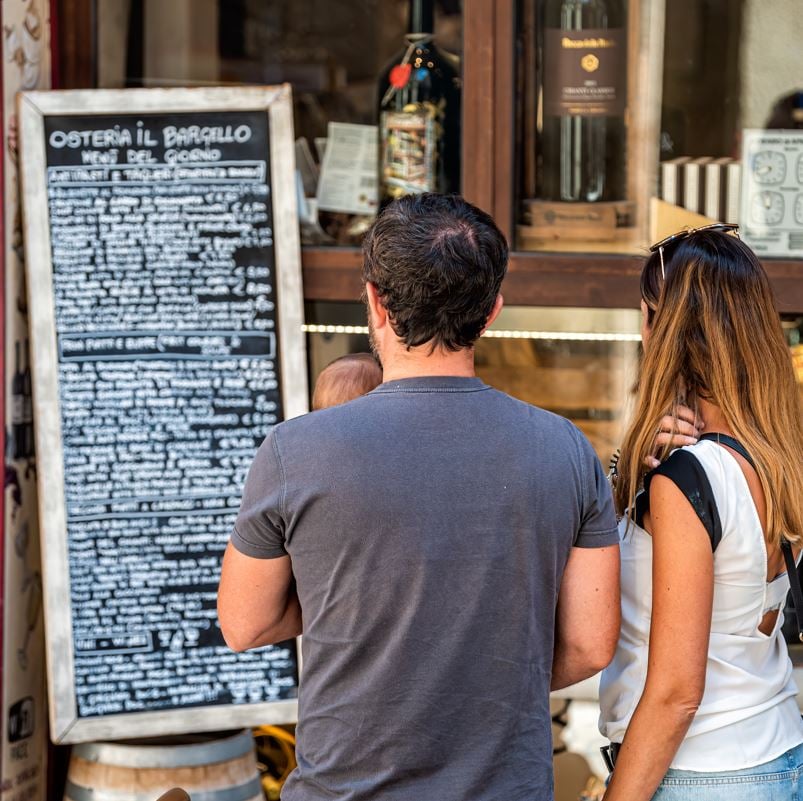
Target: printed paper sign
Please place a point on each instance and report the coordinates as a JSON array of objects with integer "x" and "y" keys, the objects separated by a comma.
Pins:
[
  {"x": 348, "y": 181},
  {"x": 772, "y": 192}
]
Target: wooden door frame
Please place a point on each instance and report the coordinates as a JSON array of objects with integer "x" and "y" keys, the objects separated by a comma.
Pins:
[
  {"x": 74, "y": 44},
  {"x": 488, "y": 108}
]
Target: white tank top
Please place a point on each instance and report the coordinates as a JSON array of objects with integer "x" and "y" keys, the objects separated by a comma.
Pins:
[{"x": 748, "y": 714}]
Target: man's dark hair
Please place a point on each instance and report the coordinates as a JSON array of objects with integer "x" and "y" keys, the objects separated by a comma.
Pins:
[{"x": 437, "y": 263}]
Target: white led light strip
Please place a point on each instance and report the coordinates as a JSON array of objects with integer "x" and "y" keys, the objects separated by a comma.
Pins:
[{"x": 565, "y": 336}]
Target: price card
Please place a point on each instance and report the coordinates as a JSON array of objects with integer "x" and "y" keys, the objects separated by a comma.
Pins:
[{"x": 349, "y": 180}]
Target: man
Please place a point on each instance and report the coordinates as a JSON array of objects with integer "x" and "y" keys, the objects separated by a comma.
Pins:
[{"x": 452, "y": 551}]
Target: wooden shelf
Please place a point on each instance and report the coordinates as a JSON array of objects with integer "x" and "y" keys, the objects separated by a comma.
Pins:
[
  {"x": 541, "y": 279},
  {"x": 786, "y": 276},
  {"x": 569, "y": 279}
]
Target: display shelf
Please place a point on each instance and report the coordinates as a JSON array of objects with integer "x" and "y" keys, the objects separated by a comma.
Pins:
[
  {"x": 541, "y": 279},
  {"x": 570, "y": 279},
  {"x": 533, "y": 279},
  {"x": 612, "y": 281}
]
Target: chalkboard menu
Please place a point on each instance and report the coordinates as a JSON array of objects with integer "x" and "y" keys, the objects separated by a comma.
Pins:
[{"x": 163, "y": 272}]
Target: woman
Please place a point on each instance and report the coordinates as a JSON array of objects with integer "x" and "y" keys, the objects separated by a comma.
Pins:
[{"x": 699, "y": 701}]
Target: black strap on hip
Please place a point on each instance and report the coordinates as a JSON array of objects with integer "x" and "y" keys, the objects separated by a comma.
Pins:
[
  {"x": 797, "y": 590},
  {"x": 786, "y": 547}
]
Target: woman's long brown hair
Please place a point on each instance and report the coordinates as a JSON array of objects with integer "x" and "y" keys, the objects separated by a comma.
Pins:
[{"x": 715, "y": 334}]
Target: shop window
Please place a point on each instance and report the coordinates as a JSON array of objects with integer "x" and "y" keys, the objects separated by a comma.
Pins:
[
  {"x": 579, "y": 363},
  {"x": 634, "y": 118},
  {"x": 336, "y": 55}
]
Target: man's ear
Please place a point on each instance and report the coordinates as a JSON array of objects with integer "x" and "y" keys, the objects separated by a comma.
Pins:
[
  {"x": 498, "y": 303},
  {"x": 379, "y": 314}
]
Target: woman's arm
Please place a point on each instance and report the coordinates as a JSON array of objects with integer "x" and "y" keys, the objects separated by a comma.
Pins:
[{"x": 682, "y": 597}]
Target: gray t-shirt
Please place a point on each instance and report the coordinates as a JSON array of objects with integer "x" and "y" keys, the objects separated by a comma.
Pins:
[{"x": 428, "y": 524}]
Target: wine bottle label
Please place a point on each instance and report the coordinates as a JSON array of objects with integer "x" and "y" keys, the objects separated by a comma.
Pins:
[
  {"x": 585, "y": 72},
  {"x": 408, "y": 151}
]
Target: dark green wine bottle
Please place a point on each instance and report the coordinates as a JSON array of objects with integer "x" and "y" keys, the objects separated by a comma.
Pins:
[
  {"x": 419, "y": 114},
  {"x": 583, "y": 84}
]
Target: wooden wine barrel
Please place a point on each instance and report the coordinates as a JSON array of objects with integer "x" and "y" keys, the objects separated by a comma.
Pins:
[{"x": 219, "y": 766}]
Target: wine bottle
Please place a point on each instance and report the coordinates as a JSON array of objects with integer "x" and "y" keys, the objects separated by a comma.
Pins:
[
  {"x": 583, "y": 82},
  {"x": 419, "y": 115}
]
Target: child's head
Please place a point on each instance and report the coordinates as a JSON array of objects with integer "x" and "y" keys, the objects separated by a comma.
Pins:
[{"x": 345, "y": 379}]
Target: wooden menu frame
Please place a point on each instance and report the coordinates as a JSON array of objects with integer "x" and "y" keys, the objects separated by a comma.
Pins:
[{"x": 33, "y": 108}]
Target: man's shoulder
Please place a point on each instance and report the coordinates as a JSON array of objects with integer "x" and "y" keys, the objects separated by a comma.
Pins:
[
  {"x": 535, "y": 415},
  {"x": 356, "y": 417},
  {"x": 313, "y": 424}
]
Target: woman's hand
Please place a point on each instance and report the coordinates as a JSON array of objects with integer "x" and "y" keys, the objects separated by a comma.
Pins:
[{"x": 682, "y": 428}]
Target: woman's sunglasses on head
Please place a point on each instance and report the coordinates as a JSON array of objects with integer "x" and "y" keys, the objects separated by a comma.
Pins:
[{"x": 723, "y": 228}]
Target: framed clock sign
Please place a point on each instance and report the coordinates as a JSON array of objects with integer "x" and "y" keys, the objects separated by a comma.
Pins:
[{"x": 772, "y": 192}]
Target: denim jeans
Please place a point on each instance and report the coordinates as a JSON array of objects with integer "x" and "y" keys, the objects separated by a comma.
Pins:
[{"x": 779, "y": 780}]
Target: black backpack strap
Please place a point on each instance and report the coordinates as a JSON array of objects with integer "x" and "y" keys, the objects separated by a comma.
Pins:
[
  {"x": 733, "y": 444},
  {"x": 684, "y": 470},
  {"x": 795, "y": 582},
  {"x": 797, "y": 589}
]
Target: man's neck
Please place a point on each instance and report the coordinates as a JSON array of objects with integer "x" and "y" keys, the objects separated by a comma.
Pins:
[{"x": 418, "y": 363}]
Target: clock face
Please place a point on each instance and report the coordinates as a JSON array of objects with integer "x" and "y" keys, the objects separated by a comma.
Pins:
[
  {"x": 799, "y": 209},
  {"x": 769, "y": 167},
  {"x": 767, "y": 208}
]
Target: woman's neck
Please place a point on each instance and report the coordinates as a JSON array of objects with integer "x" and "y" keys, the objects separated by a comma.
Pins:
[{"x": 713, "y": 419}]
